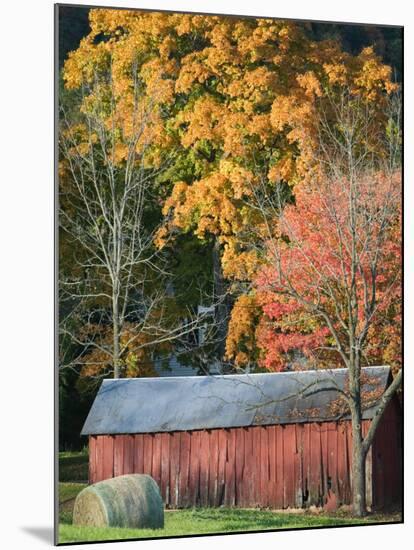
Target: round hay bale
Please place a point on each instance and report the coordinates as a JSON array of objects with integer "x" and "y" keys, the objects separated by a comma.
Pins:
[{"x": 125, "y": 501}]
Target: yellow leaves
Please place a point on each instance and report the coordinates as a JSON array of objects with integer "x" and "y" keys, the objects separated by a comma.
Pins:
[
  {"x": 219, "y": 35},
  {"x": 156, "y": 74},
  {"x": 166, "y": 47},
  {"x": 284, "y": 32},
  {"x": 283, "y": 170},
  {"x": 233, "y": 130},
  {"x": 183, "y": 24},
  {"x": 241, "y": 179},
  {"x": 281, "y": 112},
  {"x": 161, "y": 237},
  {"x": 120, "y": 153},
  {"x": 193, "y": 70},
  {"x": 256, "y": 43},
  {"x": 205, "y": 207},
  {"x": 295, "y": 115},
  {"x": 259, "y": 125},
  {"x": 203, "y": 121},
  {"x": 337, "y": 73},
  {"x": 242, "y": 28},
  {"x": 365, "y": 73},
  {"x": 238, "y": 264},
  {"x": 310, "y": 84},
  {"x": 240, "y": 340},
  {"x": 259, "y": 83},
  {"x": 108, "y": 20},
  {"x": 374, "y": 77}
]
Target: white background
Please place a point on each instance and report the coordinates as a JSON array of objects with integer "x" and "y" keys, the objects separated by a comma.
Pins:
[{"x": 26, "y": 271}]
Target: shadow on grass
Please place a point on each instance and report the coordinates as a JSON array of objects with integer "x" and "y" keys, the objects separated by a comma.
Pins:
[{"x": 244, "y": 520}]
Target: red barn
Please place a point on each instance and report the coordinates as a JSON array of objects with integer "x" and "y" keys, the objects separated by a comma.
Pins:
[{"x": 273, "y": 440}]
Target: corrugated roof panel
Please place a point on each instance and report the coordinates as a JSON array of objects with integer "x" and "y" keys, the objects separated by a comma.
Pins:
[{"x": 148, "y": 405}]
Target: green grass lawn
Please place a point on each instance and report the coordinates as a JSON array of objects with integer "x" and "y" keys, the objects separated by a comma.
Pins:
[{"x": 201, "y": 521}]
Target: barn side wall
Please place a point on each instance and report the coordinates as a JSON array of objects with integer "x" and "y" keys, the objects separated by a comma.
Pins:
[
  {"x": 285, "y": 466},
  {"x": 387, "y": 459}
]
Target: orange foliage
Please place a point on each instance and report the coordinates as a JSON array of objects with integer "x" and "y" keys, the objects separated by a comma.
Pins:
[
  {"x": 240, "y": 344},
  {"x": 136, "y": 360}
]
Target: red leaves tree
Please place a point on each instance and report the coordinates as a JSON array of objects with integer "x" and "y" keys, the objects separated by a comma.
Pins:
[
  {"x": 331, "y": 282},
  {"x": 338, "y": 259}
]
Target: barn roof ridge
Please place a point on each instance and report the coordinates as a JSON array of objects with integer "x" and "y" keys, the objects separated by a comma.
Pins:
[
  {"x": 150, "y": 405},
  {"x": 198, "y": 377}
]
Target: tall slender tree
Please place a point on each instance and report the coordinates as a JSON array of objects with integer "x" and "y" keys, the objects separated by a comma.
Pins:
[{"x": 108, "y": 217}]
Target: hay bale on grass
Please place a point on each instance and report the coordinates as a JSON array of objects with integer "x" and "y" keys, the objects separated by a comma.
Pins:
[{"x": 126, "y": 501}]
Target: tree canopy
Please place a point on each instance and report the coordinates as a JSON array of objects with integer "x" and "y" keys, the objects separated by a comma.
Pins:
[{"x": 231, "y": 112}]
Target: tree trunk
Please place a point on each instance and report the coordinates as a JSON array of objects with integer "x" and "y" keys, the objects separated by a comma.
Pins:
[
  {"x": 358, "y": 469},
  {"x": 116, "y": 335},
  {"x": 222, "y": 309}
]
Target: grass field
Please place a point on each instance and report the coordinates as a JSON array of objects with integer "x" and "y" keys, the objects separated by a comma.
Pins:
[{"x": 200, "y": 521}]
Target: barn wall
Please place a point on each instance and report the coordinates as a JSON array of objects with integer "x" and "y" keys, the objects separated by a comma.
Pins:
[
  {"x": 268, "y": 466},
  {"x": 387, "y": 459}
]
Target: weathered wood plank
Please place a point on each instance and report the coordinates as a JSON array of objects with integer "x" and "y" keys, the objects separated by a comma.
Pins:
[
  {"x": 276, "y": 466},
  {"x": 212, "y": 467},
  {"x": 348, "y": 464},
  {"x": 324, "y": 459},
  {"x": 138, "y": 453},
  {"x": 256, "y": 466},
  {"x": 99, "y": 450},
  {"x": 272, "y": 465},
  {"x": 315, "y": 476},
  {"x": 119, "y": 455},
  {"x": 128, "y": 467},
  {"x": 289, "y": 450},
  {"x": 249, "y": 464},
  {"x": 264, "y": 467},
  {"x": 165, "y": 467},
  {"x": 379, "y": 470},
  {"x": 332, "y": 464},
  {"x": 298, "y": 465},
  {"x": 174, "y": 468},
  {"x": 221, "y": 466},
  {"x": 108, "y": 456},
  {"x": 156, "y": 459},
  {"x": 148, "y": 439},
  {"x": 368, "y": 467},
  {"x": 342, "y": 463},
  {"x": 349, "y": 452},
  {"x": 204, "y": 467},
  {"x": 185, "y": 443},
  {"x": 230, "y": 466},
  {"x": 305, "y": 452},
  {"x": 194, "y": 468},
  {"x": 92, "y": 459},
  {"x": 280, "y": 473}
]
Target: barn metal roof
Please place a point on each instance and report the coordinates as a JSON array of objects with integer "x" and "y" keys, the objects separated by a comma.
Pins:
[{"x": 146, "y": 405}]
